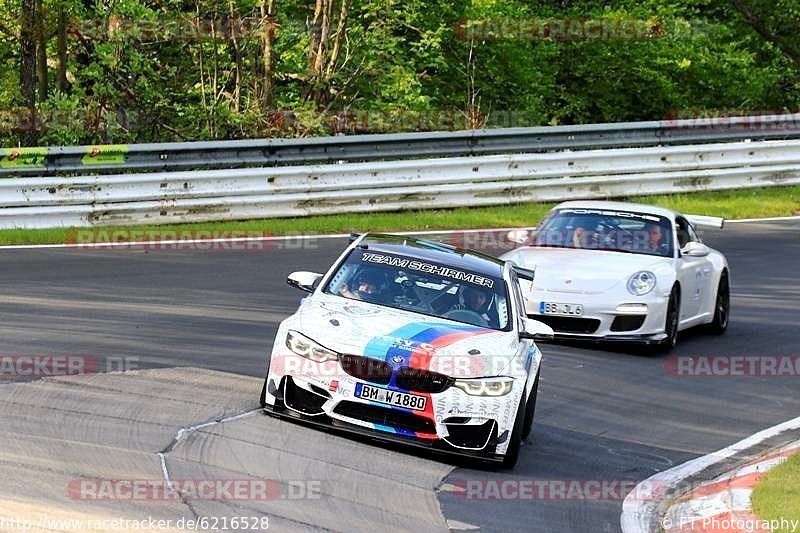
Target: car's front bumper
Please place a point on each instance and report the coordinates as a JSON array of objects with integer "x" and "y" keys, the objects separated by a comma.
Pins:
[
  {"x": 452, "y": 422},
  {"x": 605, "y": 317}
]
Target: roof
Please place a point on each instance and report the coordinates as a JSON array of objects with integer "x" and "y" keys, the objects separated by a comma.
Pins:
[
  {"x": 620, "y": 206},
  {"x": 435, "y": 252}
]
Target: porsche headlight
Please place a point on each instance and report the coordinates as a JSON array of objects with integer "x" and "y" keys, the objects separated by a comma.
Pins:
[
  {"x": 302, "y": 345},
  {"x": 641, "y": 283},
  {"x": 486, "y": 386}
]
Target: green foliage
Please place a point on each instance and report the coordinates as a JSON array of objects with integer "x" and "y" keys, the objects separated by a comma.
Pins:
[{"x": 400, "y": 56}]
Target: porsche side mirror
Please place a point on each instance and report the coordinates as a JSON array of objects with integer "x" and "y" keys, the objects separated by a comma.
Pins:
[
  {"x": 695, "y": 249},
  {"x": 305, "y": 281},
  {"x": 537, "y": 331}
]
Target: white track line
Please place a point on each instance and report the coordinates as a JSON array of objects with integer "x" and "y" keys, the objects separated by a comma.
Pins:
[
  {"x": 768, "y": 219},
  {"x": 638, "y": 514}
]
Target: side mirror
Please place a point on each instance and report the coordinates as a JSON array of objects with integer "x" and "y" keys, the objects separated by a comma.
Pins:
[
  {"x": 518, "y": 236},
  {"x": 695, "y": 249},
  {"x": 537, "y": 331},
  {"x": 305, "y": 281}
]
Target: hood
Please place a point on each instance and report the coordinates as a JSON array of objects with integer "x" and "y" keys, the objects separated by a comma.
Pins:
[
  {"x": 405, "y": 338},
  {"x": 578, "y": 271}
]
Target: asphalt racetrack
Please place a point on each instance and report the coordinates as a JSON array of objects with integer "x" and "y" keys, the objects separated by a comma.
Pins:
[{"x": 603, "y": 413}]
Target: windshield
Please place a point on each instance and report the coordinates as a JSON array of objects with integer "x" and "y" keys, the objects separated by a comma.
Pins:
[
  {"x": 610, "y": 230},
  {"x": 422, "y": 287}
]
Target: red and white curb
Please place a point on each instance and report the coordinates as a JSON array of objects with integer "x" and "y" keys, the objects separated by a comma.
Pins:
[
  {"x": 723, "y": 504},
  {"x": 731, "y": 494}
]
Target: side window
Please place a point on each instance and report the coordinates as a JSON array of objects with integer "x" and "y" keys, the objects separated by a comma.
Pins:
[{"x": 685, "y": 231}]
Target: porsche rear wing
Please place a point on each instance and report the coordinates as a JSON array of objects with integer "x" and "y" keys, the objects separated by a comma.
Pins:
[{"x": 709, "y": 222}]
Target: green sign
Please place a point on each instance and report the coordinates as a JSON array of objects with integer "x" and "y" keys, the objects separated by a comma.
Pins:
[
  {"x": 109, "y": 154},
  {"x": 22, "y": 157}
]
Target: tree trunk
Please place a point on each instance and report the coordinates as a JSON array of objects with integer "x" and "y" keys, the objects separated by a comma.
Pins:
[
  {"x": 27, "y": 70},
  {"x": 237, "y": 58},
  {"x": 323, "y": 55},
  {"x": 41, "y": 52},
  {"x": 268, "y": 18},
  {"x": 61, "y": 73}
]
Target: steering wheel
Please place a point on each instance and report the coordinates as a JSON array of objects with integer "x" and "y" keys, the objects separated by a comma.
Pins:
[{"x": 465, "y": 315}]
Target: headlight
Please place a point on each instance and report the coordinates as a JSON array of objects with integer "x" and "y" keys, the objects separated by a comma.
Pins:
[
  {"x": 486, "y": 386},
  {"x": 641, "y": 283},
  {"x": 302, "y": 345}
]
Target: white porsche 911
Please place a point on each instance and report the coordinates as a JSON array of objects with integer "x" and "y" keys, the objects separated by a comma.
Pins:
[{"x": 623, "y": 272}]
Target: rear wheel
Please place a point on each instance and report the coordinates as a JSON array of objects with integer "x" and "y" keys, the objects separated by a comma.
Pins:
[
  {"x": 722, "y": 309},
  {"x": 672, "y": 321}
]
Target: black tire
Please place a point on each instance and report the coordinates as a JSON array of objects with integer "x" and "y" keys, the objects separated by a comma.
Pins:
[
  {"x": 515, "y": 442},
  {"x": 263, "y": 399},
  {"x": 672, "y": 321},
  {"x": 722, "y": 307},
  {"x": 530, "y": 408}
]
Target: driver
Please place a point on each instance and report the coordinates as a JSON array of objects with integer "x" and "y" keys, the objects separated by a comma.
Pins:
[
  {"x": 475, "y": 299},
  {"x": 655, "y": 238},
  {"x": 364, "y": 286}
]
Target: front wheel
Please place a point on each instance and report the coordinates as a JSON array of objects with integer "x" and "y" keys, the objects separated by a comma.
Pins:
[
  {"x": 672, "y": 321},
  {"x": 530, "y": 407},
  {"x": 722, "y": 309},
  {"x": 512, "y": 453}
]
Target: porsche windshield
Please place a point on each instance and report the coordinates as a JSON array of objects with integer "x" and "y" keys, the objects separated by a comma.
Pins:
[
  {"x": 610, "y": 230},
  {"x": 422, "y": 287}
]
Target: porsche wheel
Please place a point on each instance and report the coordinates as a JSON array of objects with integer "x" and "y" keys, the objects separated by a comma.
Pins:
[
  {"x": 672, "y": 321},
  {"x": 722, "y": 309}
]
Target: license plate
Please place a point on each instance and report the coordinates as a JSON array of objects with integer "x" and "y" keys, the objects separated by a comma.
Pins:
[
  {"x": 550, "y": 308},
  {"x": 390, "y": 397}
]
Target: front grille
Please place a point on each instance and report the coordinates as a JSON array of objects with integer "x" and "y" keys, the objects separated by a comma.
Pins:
[
  {"x": 366, "y": 368},
  {"x": 417, "y": 380},
  {"x": 385, "y": 416},
  {"x": 569, "y": 324},
  {"x": 628, "y": 322}
]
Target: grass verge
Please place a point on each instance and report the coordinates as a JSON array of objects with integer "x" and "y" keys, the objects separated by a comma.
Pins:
[
  {"x": 743, "y": 203},
  {"x": 777, "y": 495}
]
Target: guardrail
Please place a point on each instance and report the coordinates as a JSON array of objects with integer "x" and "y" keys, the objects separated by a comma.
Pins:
[
  {"x": 208, "y": 195},
  {"x": 353, "y": 148}
]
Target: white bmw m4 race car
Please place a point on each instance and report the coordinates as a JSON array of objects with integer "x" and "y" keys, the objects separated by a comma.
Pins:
[
  {"x": 623, "y": 272},
  {"x": 411, "y": 341}
]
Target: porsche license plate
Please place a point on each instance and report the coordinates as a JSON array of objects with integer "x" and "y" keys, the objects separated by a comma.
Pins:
[
  {"x": 550, "y": 308},
  {"x": 389, "y": 397}
]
